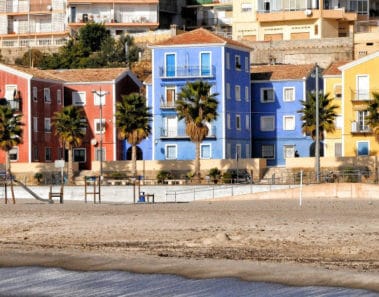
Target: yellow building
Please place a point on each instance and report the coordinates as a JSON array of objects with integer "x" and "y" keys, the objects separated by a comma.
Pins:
[
  {"x": 332, "y": 79},
  {"x": 265, "y": 20},
  {"x": 359, "y": 82}
]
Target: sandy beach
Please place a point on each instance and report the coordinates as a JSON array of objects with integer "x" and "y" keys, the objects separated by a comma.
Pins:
[{"x": 326, "y": 241}]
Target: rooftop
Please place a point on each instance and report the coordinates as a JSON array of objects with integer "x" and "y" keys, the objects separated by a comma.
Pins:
[{"x": 280, "y": 71}]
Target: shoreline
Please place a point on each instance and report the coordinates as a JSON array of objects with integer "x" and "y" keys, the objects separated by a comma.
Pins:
[
  {"x": 300, "y": 275},
  {"x": 325, "y": 242}
]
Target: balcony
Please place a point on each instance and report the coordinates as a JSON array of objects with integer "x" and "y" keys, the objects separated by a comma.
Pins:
[
  {"x": 167, "y": 104},
  {"x": 15, "y": 104},
  {"x": 363, "y": 95},
  {"x": 360, "y": 128},
  {"x": 187, "y": 72},
  {"x": 181, "y": 133}
]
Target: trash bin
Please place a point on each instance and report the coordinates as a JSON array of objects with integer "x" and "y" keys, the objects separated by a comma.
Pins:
[{"x": 141, "y": 197}]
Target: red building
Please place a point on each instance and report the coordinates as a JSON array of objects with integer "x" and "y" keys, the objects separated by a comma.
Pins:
[{"x": 38, "y": 94}]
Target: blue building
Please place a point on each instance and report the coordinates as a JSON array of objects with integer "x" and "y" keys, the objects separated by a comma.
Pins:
[
  {"x": 277, "y": 92},
  {"x": 223, "y": 63}
]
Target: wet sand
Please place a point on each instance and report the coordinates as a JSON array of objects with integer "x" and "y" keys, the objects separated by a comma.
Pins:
[{"x": 326, "y": 241}]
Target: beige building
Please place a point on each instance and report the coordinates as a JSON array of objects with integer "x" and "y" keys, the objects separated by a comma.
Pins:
[{"x": 265, "y": 20}]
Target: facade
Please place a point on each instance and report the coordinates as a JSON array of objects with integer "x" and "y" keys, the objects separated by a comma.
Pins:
[
  {"x": 359, "y": 82},
  {"x": 224, "y": 63},
  {"x": 40, "y": 93},
  {"x": 265, "y": 20},
  {"x": 277, "y": 93},
  {"x": 332, "y": 78}
]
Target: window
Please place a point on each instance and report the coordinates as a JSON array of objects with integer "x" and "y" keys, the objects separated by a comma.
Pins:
[
  {"x": 337, "y": 91},
  {"x": 237, "y": 91},
  {"x": 99, "y": 98},
  {"x": 47, "y": 154},
  {"x": 35, "y": 124},
  {"x": 205, "y": 151},
  {"x": 362, "y": 118},
  {"x": 363, "y": 148},
  {"x": 98, "y": 154},
  {"x": 363, "y": 87},
  {"x": 78, "y": 98},
  {"x": 79, "y": 155},
  {"x": 35, "y": 94},
  {"x": 238, "y": 151},
  {"x": 35, "y": 153},
  {"x": 99, "y": 126},
  {"x": 247, "y": 94},
  {"x": 267, "y": 123},
  {"x": 237, "y": 61},
  {"x": 11, "y": 91},
  {"x": 205, "y": 64},
  {"x": 247, "y": 122},
  {"x": 46, "y": 95},
  {"x": 247, "y": 65},
  {"x": 288, "y": 123},
  {"x": 288, "y": 94},
  {"x": 59, "y": 96},
  {"x": 338, "y": 149},
  {"x": 170, "y": 65},
  {"x": 228, "y": 120},
  {"x": 267, "y": 95},
  {"x": 289, "y": 151},
  {"x": 13, "y": 154},
  {"x": 84, "y": 129},
  {"x": 268, "y": 151},
  {"x": 227, "y": 60},
  {"x": 238, "y": 122},
  {"x": 228, "y": 91},
  {"x": 246, "y": 7},
  {"x": 247, "y": 148},
  {"x": 228, "y": 150},
  {"x": 170, "y": 96},
  {"x": 171, "y": 152},
  {"x": 171, "y": 126},
  {"x": 60, "y": 153},
  {"x": 47, "y": 125},
  {"x": 338, "y": 122}
]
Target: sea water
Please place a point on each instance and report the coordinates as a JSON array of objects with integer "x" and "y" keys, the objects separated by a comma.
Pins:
[{"x": 45, "y": 282}]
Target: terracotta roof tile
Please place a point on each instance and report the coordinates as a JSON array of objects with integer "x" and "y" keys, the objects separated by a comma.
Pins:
[
  {"x": 199, "y": 36},
  {"x": 280, "y": 71},
  {"x": 333, "y": 68}
]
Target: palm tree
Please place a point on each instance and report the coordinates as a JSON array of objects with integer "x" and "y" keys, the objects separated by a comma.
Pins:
[
  {"x": 327, "y": 115},
  {"x": 10, "y": 136},
  {"x": 133, "y": 122},
  {"x": 373, "y": 115},
  {"x": 197, "y": 106},
  {"x": 70, "y": 128}
]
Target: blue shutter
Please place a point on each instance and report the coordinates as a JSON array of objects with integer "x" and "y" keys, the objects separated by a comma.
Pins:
[
  {"x": 205, "y": 64},
  {"x": 170, "y": 65}
]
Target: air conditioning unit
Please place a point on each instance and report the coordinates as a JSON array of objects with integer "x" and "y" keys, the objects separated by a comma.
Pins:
[{"x": 308, "y": 12}]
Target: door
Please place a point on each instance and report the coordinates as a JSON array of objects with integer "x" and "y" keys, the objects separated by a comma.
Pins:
[
  {"x": 73, "y": 14},
  {"x": 170, "y": 65},
  {"x": 363, "y": 87},
  {"x": 205, "y": 62},
  {"x": 171, "y": 126}
]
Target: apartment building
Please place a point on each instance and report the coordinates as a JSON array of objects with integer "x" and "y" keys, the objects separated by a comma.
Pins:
[
  {"x": 48, "y": 23},
  {"x": 265, "y": 20}
]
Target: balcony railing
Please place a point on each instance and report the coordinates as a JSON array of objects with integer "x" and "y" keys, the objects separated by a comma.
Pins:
[
  {"x": 15, "y": 104},
  {"x": 187, "y": 71},
  {"x": 358, "y": 127},
  {"x": 363, "y": 95},
  {"x": 181, "y": 133},
  {"x": 167, "y": 104}
]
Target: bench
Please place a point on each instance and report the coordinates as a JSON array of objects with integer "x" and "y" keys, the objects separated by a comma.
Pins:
[{"x": 56, "y": 194}]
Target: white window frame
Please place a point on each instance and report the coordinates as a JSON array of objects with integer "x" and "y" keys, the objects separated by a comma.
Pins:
[
  {"x": 228, "y": 150},
  {"x": 210, "y": 151},
  {"x": 338, "y": 122},
  {"x": 238, "y": 122},
  {"x": 170, "y": 88},
  {"x": 228, "y": 121},
  {"x": 79, "y": 98},
  {"x": 47, "y": 125},
  {"x": 286, "y": 147},
  {"x": 247, "y": 94},
  {"x": 237, "y": 62},
  {"x": 337, "y": 95},
  {"x": 290, "y": 98},
  {"x": 263, "y": 90},
  {"x": 10, "y": 91},
  {"x": 35, "y": 94},
  {"x": 35, "y": 124},
  {"x": 246, "y": 7},
  {"x": 237, "y": 92},
  {"x": 368, "y": 147},
  {"x": 13, "y": 152},
  {"x": 228, "y": 60},
  {"x": 292, "y": 128},
  {"x": 98, "y": 151},
  {"x": 247, "y": 65},
  {"x": 100, "y": 98},
  {"x": 59, "y": 96},
  {"x": 247, "y": 122},
  {"x": 166, "y": 150},
  {"x": 262, "y": 119},
  {"x": 238, "y": 150},
  {"x": 46, "y": 95},
  {"x": 228, "y": 91},
  {"x": 99, "y": 125},
  {"x": 247, "y": 150}
]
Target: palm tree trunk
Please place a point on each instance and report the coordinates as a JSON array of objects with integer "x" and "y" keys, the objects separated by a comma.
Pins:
[
  {"x": 197, "y": 161},
  {"x": 8, "y": 174},
  {"x": 134, "y": 160},
  {"x": 70, "y": 168}
]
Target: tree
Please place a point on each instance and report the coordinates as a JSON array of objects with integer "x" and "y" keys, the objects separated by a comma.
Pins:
[
  {"x": 327, "y": 114},
  {"x": 70, "y": 128},
  {"x": 197, "y": 106},
  {"x": 133, "y": 122},
  {"x": 10, "y": 135},
  {"x": 92, "y": 35},
  {"x": 373, "y": 115}
]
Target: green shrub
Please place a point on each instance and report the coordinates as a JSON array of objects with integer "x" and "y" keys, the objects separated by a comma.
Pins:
[{"x": 162, "y": 176}]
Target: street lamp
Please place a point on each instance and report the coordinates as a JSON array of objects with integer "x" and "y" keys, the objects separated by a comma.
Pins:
[
  {"x": 317, "y": 145},
  {"x": 101, "y": 94}
]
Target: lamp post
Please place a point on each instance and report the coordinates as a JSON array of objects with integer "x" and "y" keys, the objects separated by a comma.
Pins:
[
  {"x": 101, "y": 94},
  {"x": 317, "y": 145}
]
